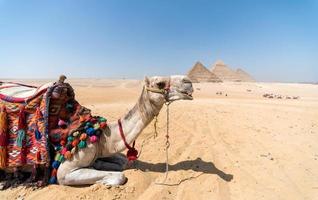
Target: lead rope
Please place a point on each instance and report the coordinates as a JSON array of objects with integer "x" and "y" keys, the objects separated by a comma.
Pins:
[
  {"x": 167, "y": 147},
  {"x": 155, "y": 126}
]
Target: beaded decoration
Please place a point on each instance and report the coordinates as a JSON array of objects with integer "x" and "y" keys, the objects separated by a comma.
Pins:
[{"x": 88, "y": 131}]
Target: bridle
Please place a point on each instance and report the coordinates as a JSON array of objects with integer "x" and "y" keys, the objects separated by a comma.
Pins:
[{"x": 165, "y": 91}]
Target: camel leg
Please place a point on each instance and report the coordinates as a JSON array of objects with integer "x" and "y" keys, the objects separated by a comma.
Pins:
[
  {"x": 78, "y": 171},
  {"x": 117, "y": 162},
  {"x": 87, "y": 176}
]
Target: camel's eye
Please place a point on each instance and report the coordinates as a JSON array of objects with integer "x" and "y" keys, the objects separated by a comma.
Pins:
[{"x": 161, "y": 85}]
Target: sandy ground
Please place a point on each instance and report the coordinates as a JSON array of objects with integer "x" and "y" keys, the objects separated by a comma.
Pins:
[{"x": 239, "y": 146}]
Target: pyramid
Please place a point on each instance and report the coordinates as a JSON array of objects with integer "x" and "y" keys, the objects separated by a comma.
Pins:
[
  {"x": 244, "y": 76},
  {"x": 224, "y": 72},
  {"x": 199, "y": 73}
]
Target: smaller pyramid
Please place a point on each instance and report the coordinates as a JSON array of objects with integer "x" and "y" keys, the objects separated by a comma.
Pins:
[
  {"x": 244, "y": 76},
  {"x": 199, "y": 73},
  {"x": 224, "y": 72}
]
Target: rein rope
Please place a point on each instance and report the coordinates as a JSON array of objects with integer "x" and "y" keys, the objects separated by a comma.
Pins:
[
  {"x": 167, "y": 145},
  {"x": 165, "y": 92}
]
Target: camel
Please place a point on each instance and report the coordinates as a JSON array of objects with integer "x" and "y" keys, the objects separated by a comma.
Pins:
[{"x": 156, "y": 92}]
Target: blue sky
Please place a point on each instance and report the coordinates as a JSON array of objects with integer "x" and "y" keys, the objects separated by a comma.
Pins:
[{"x": 271, "y": 39}]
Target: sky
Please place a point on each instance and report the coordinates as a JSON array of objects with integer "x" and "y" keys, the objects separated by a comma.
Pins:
[{"x": 273, "y": 40}]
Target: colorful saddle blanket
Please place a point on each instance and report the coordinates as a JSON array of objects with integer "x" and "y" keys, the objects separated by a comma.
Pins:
[{"x": 32, "y": 119}]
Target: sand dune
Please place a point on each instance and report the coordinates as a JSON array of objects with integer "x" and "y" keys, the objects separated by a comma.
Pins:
[{"x": 239, "y": 146}]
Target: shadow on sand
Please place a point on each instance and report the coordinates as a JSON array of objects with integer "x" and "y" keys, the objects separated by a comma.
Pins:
[{"x": 197, "y": 165}]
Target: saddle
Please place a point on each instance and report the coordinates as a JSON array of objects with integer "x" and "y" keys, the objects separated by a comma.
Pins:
[{"x": 34, "y": 119}]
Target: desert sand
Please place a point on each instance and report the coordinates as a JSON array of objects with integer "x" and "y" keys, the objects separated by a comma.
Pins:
[{"x": 239, "y": 146}]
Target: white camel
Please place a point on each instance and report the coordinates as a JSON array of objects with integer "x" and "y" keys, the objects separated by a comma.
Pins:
[{"x": 157, "y": 90}]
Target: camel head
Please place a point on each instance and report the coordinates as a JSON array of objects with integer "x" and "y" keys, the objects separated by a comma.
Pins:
[{"x": 173, "y": 88}]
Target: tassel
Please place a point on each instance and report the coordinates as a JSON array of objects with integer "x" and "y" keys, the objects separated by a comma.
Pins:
[
  {"x": 38, "y": 113},
  {"x": 22, "y": 119},
  {"x": 3, "y": 126},
  {"x": 23, "y": 157},
  {"x": 21, "y": 137},
  {"x": 53, "y": 180},
  {"x": 38, "y": 134},
  {"x": 3, "y": 157},
  {"x": 54, "y": 173},
  {"x": 132, "y": 154},
  {"x": 21, "y": 127},
  {"x": 3, "y": 137},
  {"x": 38, "y": 157}
]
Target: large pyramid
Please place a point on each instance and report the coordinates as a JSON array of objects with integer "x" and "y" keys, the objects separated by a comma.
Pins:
[
  {"x": 199, "y": 73},
  {"x": 244, "y": 76},
  {"x": 222, "y": 71}
]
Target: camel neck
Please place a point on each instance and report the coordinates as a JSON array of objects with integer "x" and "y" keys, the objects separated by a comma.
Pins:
[
  {"x": 140, "y": 116},
  {"x": 133, "y": 122}
]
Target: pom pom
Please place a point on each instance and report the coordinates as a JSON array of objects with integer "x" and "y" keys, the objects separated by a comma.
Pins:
[
  {"x": 57, "y": 148},
  {"x": 103, "y": 125},
  {"x": 75, "y": 142},
  {"x": 82, "y": 144},
  {"x": 56, "y": 164},
  {"x": 70, "y": 139},
  {"x": 62, "y": 124},
  {"x": 90, "y": 131},
  {"x": 53, "y": 180},
  {"x": 93, "y": 139},
  {"x": 63, "y": 143},
  {"x": 38, "y": 135},
  {"x": 76, "y": 133},
  {"x": 54, "y": 173},
  {"x": 83, "y": 136},
  {"x": 96, "y": 126},
  {"x": 93, "y": 120},
  {"x": 57, "y": 156},
  {"x": 63, "y": 151},
  {"x": 68, "y": 155},
  {"x": 102, "y": 119},
  {"x": 61, "y": 158},
  {"x": 88, "y": 124}
]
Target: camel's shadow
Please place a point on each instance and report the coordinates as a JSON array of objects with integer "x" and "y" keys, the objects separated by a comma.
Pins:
[{"x": 197, "y": 165}]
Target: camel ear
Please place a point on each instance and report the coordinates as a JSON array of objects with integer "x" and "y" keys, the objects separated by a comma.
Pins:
[{"x": 147, "y": 81}]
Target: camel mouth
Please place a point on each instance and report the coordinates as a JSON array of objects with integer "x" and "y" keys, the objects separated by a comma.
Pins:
[{"x": 186, "y": 95}]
